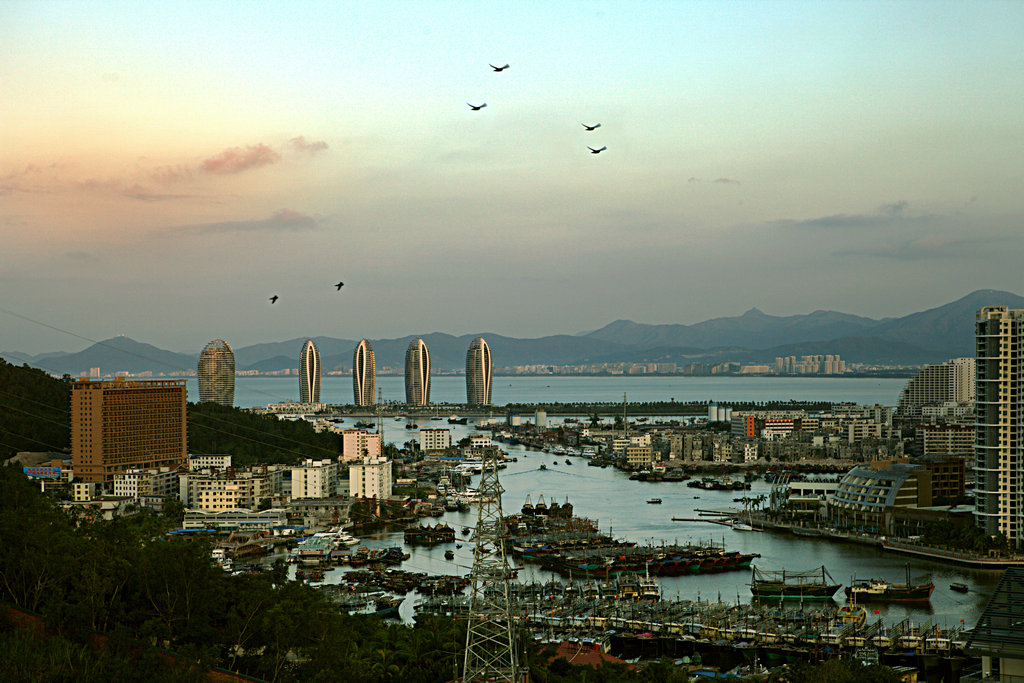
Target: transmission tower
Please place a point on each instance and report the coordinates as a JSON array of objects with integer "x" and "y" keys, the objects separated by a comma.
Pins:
[{"x": 491, "y": 653}]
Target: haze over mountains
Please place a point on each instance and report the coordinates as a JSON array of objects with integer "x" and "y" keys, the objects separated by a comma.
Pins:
[{"x": 929, "y": 336}]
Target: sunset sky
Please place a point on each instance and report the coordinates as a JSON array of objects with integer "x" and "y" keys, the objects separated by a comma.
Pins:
[{"x": 166, "y": 167}]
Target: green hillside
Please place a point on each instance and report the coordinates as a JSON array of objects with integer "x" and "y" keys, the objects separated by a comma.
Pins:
[{"x": 34, "y": 416}]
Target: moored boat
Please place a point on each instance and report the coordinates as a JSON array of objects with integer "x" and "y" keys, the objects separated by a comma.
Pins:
[
  {"x": 880, "y": 590},
  {"x": 958, "y": 587},
  {"x": 816, "y": 584}
]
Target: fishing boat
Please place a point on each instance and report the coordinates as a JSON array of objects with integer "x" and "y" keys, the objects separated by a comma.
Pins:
[
  {"x": 958, "y": 587},
  {"x": 654, "y": 501},
  {"x": 880, "y": 590},
  {"x": 816, "y": 584}
]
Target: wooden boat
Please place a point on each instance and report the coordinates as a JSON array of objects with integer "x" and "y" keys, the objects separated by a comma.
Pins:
[
  {"x": 958, "y": 587},
  {"x": 816, "y": 584},
  {"x": 880, "y": 590},
  {"x": 654, "y": 501}
]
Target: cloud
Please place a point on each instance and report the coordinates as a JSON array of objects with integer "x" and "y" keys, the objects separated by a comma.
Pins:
[
  {"x": 300, "y": 144},
  {"x": 925, "y": 247},
  {"x": 281, "y": 220},
  {"x": 894, "y": 209},
  {"x": 727, "y": 181},
  {"x": 131, "y": 191},
  {"x": 884, "y": 215},
  {"x": 238, "y": 159},
  {"x": 693, "y": 180}
]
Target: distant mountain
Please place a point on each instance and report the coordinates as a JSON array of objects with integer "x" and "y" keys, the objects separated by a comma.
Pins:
[
  {"x": 945, "y": 331},
  {"x": 948, "y": 328},
  {"x": 755, "y": 337},
  {"x": 118, "y": 354}
]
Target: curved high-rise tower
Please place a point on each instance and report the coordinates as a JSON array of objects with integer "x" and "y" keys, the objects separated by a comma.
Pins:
[
  {"x": 478, "y": 373},
  {"x": 309, "y": 373},
  {"x": 417, "y": 373},
  {"x": 364, "y": 374},
  {"x": 216, "y": 373}
]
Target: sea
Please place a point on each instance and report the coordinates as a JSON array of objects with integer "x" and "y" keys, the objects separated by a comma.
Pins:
[
  {"x": 541, "y": 389},
  {"x": 620, "y": 506}
]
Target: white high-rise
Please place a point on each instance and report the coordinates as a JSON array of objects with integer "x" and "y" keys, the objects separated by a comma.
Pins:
[
  {"x": 364, "y": 374},
  {"x": 949, "y": 382},
  {"x": 309, "y": 373},
  {"x": 478, "y": 373},
  {"x": 999, "y": 412},
  {"x": 417, "y": 373}
]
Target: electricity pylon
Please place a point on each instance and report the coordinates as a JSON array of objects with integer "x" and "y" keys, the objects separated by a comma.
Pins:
[{"x": 491, "y": 653}]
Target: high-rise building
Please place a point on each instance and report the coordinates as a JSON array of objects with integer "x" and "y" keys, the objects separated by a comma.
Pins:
[
  {"x": 309, "y": 373},
  {"x": 216, "y": 373},
  {"x": 478, "y": 373},
  {"x": 949, "y": 382},
  {"x": 999, "y": 411},
  {"x": 417, "y": 373},
  {"x": 120, "y": 425},
  {"x": 364, "y": 374}
]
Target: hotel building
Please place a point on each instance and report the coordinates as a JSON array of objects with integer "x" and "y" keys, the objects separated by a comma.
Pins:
[
  {"x": 309, "y": 373},
  {"x": 999, "y": 412},
  {"x": 364, "y": 374},
  {"x": 949, "y": 382},
  {"x": 216, "y": 373},
  {"x": 417, "y": 373},
  {"x": 122, "y": 425},
  {"x": 478, "y": 373}
]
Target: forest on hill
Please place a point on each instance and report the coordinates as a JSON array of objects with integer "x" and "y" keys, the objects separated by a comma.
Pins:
[{"x": 35, "y": 416}]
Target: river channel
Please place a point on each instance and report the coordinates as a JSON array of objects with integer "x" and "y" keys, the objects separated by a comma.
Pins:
[{"x": 620, "y": 506}]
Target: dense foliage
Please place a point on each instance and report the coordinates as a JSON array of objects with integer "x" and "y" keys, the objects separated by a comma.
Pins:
[
  {"x": 252, "y": 438},
  {"x": 962, "y": 535},
  {"x": 834, "y": 671},
  {"x": 34, "y": 410}
]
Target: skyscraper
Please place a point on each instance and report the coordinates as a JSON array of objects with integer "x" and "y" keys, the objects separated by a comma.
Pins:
[
  {"x": 309, "y": 373},
  {"x": 364, "y": 374},
  {"x": 952, "y": 381},
  {"x": 126, "y": 424},
  {"x": 478, "y": 373},
  {"x": 417, "y": 373},
  {"x": 216, "y": 373},
  {"x": 999, "y": 410}
]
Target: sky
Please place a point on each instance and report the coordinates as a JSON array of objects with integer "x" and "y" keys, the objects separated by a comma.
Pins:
[{"x": 167, "y": 167}]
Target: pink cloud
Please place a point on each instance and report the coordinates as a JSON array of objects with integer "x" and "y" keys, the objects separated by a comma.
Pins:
[
  {"x": 302, "y": 145},
  {"x": 238, "y": 159}
]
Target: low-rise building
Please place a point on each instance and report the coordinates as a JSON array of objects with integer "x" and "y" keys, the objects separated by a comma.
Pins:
[
  {"x": 639, "y": 457},
  {"x": 435, "y": 439},
  {"x": 357, "y": 444},
  {"x": 315, "y": 479},
  {"x": 371, "y": 478},
  {"x": 867, "y": 495},
  {"x": 203, "y": 461},
  {"x": 236, "y": 518}
]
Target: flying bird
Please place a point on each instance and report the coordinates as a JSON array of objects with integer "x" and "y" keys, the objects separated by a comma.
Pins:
[
  {"x": 274, "y": 299},
  {"x": 498, "y": 68},
  {"x": 597, "y": 151},
  {"x": 593, "y": 127},
  {"x": 339, "y": 286},
  {"x": 477, "y": 107}
]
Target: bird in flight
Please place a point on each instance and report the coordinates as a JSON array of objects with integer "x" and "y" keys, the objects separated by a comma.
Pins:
[
  {"x": 339, "y": 286},
  {"x": 593, "y": 127},
  {"x": 597, "y": 151},
  {"x": 274, "y": 299},
  {"x": 498, "y": 68},
  {"x": 477, "y": 107}
]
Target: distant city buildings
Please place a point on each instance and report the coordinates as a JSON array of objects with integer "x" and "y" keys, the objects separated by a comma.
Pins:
[
  {"x": 309, "y": 373},
  {"x": 479, "y": 369},
  {"x": 364, "y": 374},
  {"x": 417, "y": 373},
  {"x": 215, "y": 373},
  {"x": 949, "y": 382},
  {"x": 123, "y": 424},
  {"x": 999, "y": 413}
]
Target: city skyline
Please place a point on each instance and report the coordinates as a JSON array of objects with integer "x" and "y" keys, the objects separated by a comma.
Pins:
[{"x": 869, "y": 146}]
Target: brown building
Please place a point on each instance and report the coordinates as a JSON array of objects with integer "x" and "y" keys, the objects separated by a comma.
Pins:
[{"x": 126, "y": 424}]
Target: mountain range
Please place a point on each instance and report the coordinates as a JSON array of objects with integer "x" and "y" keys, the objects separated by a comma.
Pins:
[{"x": 928, "y": 336}]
